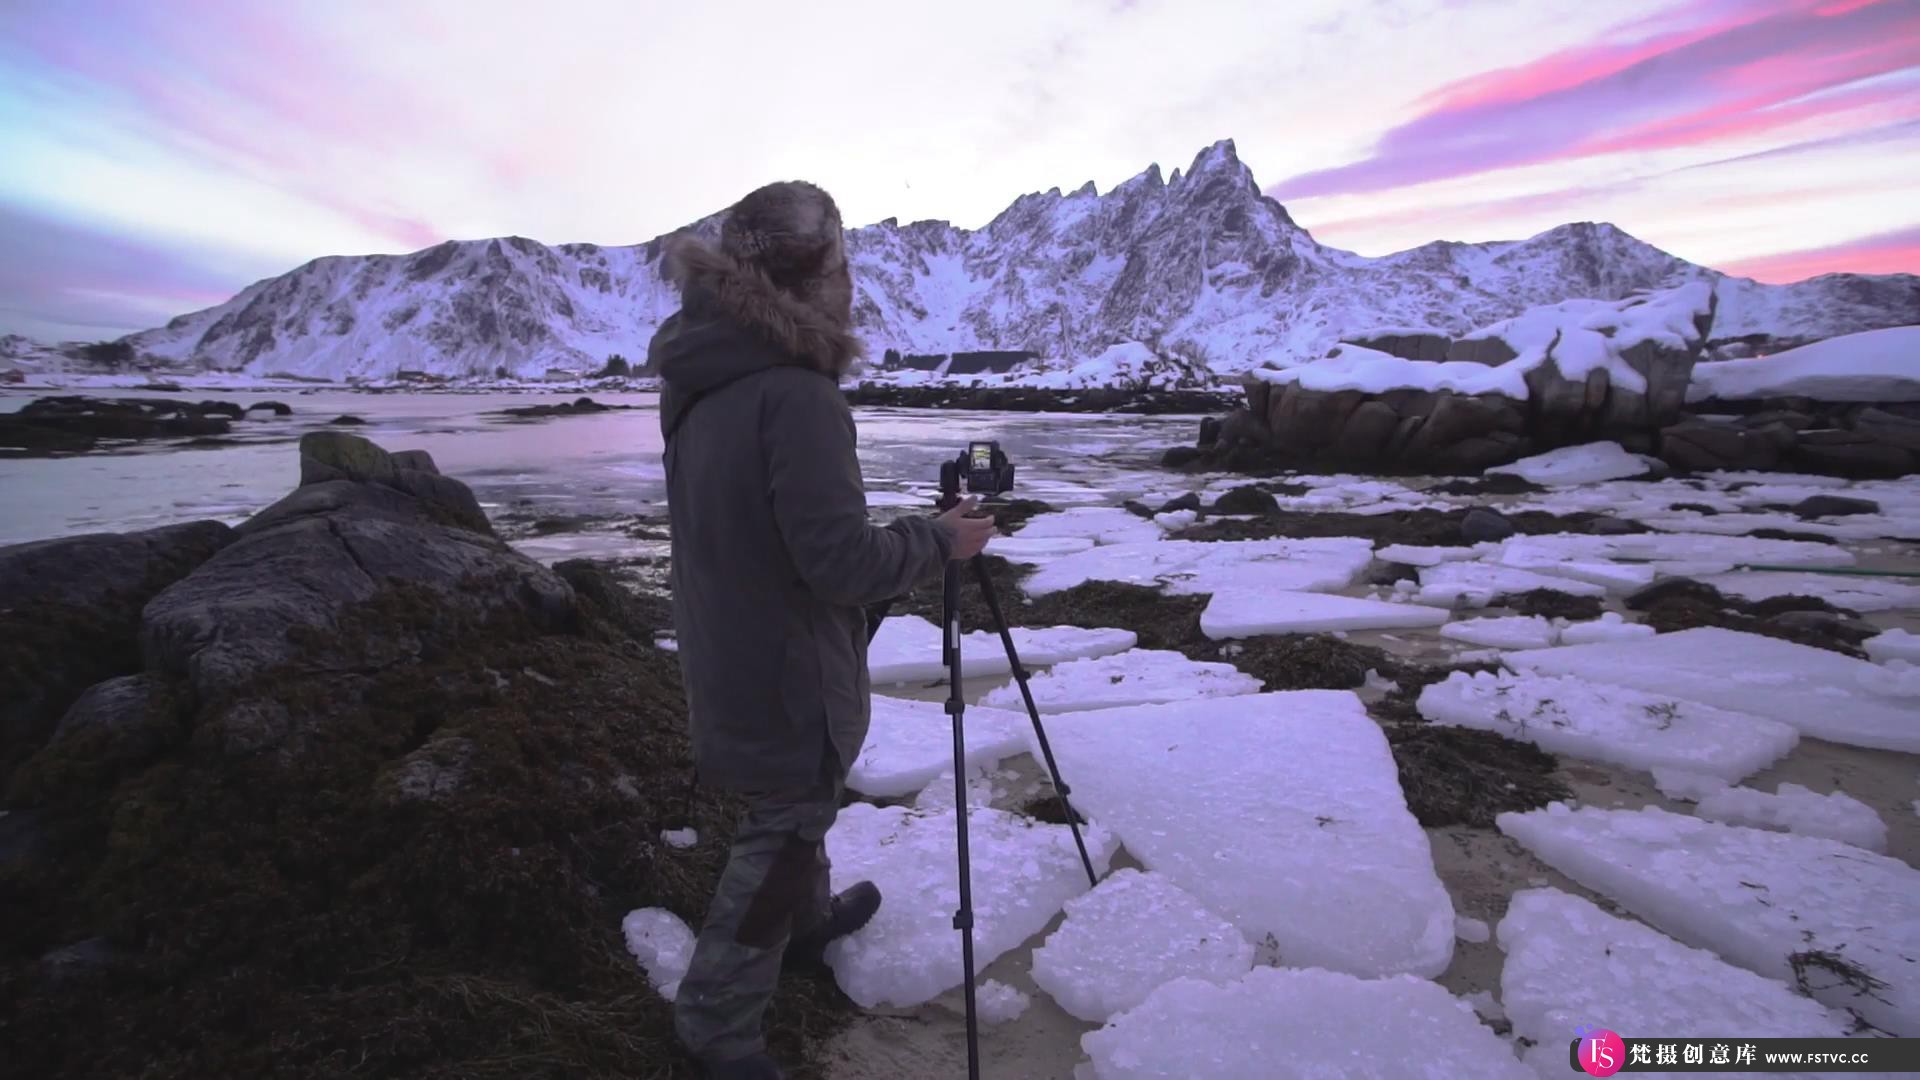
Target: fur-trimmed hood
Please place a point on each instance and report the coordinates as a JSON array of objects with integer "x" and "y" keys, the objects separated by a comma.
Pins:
[{"x": 715, "y": 285}]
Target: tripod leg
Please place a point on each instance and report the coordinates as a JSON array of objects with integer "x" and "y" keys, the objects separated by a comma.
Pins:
[
  {"x": 1033, "y": 712},
  {"x": 956, "y": 708}
]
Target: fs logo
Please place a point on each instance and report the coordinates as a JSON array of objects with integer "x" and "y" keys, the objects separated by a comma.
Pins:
[{"x": 1601, "y": 1053}]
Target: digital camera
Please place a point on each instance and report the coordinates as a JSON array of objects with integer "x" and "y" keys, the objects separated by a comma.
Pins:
[{"x": 984, "y": 469}]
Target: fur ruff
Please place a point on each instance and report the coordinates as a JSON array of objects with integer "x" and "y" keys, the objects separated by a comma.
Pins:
[{"x": 743, "y": 293}]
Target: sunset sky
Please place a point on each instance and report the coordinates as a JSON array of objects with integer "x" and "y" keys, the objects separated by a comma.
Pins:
[{"x": 157, "y": 157}]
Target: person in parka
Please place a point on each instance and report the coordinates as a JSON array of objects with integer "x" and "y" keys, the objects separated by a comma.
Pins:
[{"x": 774, "y": 565}]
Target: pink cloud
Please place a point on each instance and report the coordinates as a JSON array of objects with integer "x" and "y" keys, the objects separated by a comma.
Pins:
[
  {"x": 1678, "y": 87},
  {"x": 1896, "y": 252}
]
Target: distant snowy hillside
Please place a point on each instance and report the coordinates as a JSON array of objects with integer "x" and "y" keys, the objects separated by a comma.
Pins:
[{"x": 1200, "y": 266}]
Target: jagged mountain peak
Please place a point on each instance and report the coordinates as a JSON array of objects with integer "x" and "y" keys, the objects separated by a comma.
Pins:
[{"x": 1203, "y": 266}]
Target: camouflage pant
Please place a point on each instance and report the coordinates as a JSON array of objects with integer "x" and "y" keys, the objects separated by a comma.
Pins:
[{"x": 775, "y": 882}]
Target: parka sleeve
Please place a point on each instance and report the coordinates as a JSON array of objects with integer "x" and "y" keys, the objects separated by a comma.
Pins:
[{"x": 820, "y": 501}]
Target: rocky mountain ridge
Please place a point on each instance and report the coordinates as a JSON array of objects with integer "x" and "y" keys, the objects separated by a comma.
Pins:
[{"x": 1198, "y": 265}]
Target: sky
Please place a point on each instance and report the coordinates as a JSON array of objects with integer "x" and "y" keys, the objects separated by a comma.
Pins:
[{"x": 157, "y": 158}]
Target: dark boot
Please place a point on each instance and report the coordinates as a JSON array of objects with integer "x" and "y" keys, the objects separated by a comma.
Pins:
[
  {"x": 847, "y": 912},
  {"x": 751, "y": 1067}
]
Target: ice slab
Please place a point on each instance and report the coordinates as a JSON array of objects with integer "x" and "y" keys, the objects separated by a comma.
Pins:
[
  {"x": 1515, "y": 632},
  {"x": 680, "y": 838},
  {"x": 1022, "y": 549},
  {"x": 1196, "y": 567},
  {"x": 1613, "y": 576},
  {"x": 1476, "y": 584},
  {"x": 1757, "y": 898},
  {"x": 663, "y": 944},
  {"x": 1672, "y": 553},
  {"x": 1822, "y": 693},
  {"x": 909, "y": 743},
  {"x": 1100, "y": 524},
  {"x": 1599, "y": 722},
  {"x": 1589, "y": 464},
  {"x": 1237, "y": 613},
  {"x": 1022, "y": 873},
  {"x": 1134, "y": 677},
  {"x": 1471, "y": 931},
  {"x": 998, "y": 1003},
  {"x": 1797, "y": 809},
  {"x": 1683, "y": 785},
  {"x": 1131, "y": 934},
  {"x": 1247, "y": 802},
  {"x": 1307, "y": 1023},
  {"x": 983, "y": 788},
  {"x": 1416, "y": 556},
  {"x": 1853, "y": 593},
  {"x": 907, "y": 649},
  {"x": 1608, "y": 627},
  {"x": 1893, "y": 645},
  {"x": 1569, "y": 963}
]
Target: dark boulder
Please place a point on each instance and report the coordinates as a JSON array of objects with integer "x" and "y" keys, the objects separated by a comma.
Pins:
[
  {"x": 1483, "y": 525},
  {"x": 1852, "y": 454},
  {"x": 1246, "y": 500},
  {"x": 1882, "y": 425},
  {"x": 347, "y": 420},
  {"x": 1675, "y": 588},
  {"x": 1700, "y": 446},
  {"x": 268, "y": 601},
  {"x": 327, "y": 456},
  {"x": 1189, "y": 501},
  {"x": 1209, "y": 431},
  {"x": 1818, "y": 506},
  {"x": 70, "y": 617},
  {"x": 277, "y": 408}
]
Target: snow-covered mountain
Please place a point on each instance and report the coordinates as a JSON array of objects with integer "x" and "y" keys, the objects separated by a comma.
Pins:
[{"x": 1198, "y": 265}]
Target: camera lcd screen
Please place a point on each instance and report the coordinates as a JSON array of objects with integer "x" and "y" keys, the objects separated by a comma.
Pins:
[{"x": 982, "y": 455}]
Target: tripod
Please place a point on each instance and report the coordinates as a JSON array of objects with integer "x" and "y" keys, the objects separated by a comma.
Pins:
[{"x": 956, "y": 707}]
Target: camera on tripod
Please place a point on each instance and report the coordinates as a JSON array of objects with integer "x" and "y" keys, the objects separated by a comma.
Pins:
[{"x": 984, "y": 468}]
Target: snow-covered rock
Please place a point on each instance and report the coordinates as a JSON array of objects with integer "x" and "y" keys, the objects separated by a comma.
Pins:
[{"x": 1875, "y": 365}]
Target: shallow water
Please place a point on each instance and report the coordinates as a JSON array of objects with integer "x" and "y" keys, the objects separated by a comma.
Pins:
[{"x": 599, "y": 464}]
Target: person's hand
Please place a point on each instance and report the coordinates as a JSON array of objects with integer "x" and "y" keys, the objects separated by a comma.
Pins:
[{"x": 970, "y": 534}]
